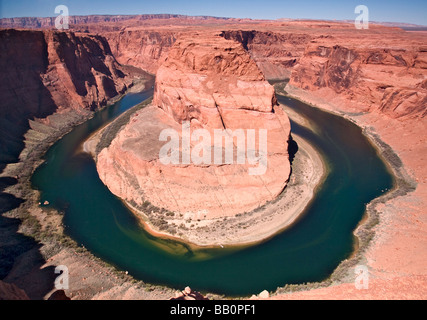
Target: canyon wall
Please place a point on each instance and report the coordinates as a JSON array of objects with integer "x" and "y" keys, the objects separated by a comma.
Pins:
[
  {"x": 141, "y": 48},
  {"x": 47, "y": 71},
  {"x": 275, "y": 53},
  {"x": 384, "y": 76},
  {"x": 144, "y": 40},
  {"x": 384, "y": 72}
]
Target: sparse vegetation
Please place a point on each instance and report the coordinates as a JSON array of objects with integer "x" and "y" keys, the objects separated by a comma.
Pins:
[{"x": 111, "y": 131}]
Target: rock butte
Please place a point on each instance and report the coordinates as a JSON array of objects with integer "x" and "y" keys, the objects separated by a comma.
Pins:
[{"x": 214, "y": 84}]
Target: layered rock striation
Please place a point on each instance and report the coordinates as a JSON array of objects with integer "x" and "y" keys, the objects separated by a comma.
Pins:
[
  {"x": 81, "y": 72},
  {"x": 389, "y": 78},
  {"x": 209, "y": 83},
  {"x": 203, "y": 79},
  {"x": 47, "y": 71},
  {"x": 144, "y": 49},
  {"x": 275, "y": 53}
]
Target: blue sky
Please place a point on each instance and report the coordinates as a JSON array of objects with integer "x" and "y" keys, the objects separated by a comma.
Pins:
[{"x": 413, "y": 11}]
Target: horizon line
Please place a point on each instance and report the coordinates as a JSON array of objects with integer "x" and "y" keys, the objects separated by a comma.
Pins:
[{"x": 217, "y": 17}]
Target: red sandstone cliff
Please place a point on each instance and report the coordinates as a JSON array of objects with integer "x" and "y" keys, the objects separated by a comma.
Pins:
[
  {"x": 141, "y": 48},
  {"x": 382, "y": 69},
  {"x": 81, "y": 72},
  {"x": 46, "y": 71},
  {"x": 374, "y": 75},
  {"x": 211, "y": 73},
  {"x": 275, "y": 53}
]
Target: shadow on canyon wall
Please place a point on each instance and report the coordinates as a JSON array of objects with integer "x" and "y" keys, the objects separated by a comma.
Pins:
[
  {"x": 21, "y": 260},
  {"x": 20, "y": 257},
  {"x": 24, "y": 97},
  {"x": 23, "y": 93},
  {"x": 292, "y": 149}
]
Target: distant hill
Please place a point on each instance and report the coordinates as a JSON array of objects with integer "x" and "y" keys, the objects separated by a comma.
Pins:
[{"x": 49, "y": 22}]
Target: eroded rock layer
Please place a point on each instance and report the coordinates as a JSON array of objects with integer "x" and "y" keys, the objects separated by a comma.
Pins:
[
  {"x": 375, "y": 75},
  {"x": 47, "y": 71},
  {"x": 141, "y": 48},
  {"x": 213, "y": 84}
]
